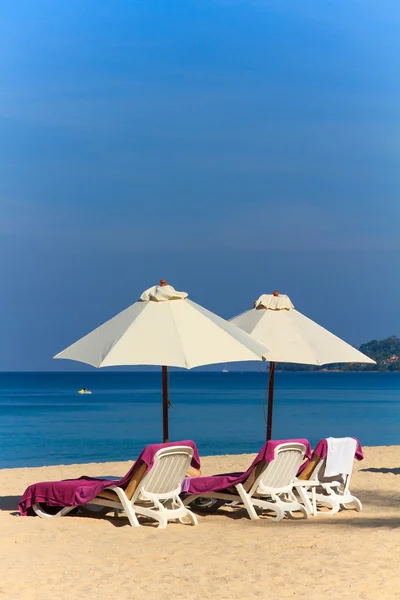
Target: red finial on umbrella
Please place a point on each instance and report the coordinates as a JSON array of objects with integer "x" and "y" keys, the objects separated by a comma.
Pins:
[
  {"x": 276, "y": 293},
  {"x": 163, "y": 282}
]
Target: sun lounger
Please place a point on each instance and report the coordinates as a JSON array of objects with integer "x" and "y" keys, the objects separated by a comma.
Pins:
[
  {"x": 266, "y": 485},
  {"x": 150, "y": 488},
  {"x": 325, "y": 478}
]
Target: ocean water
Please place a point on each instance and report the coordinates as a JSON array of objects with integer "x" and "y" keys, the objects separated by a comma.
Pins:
[{"x": 44, "y": 421}]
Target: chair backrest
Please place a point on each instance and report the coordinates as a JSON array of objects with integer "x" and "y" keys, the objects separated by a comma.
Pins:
[
  {"x": 319, "y": 471},
  {"x": 165, "y": 477},
  {"x": 280, "y": 473}
]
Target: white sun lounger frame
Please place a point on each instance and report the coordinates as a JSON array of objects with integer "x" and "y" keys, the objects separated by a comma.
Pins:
[
  {"x": 273, "y": 488},
  {"x": 332, "y": 491},
  {"x": 157, "y": 493}
]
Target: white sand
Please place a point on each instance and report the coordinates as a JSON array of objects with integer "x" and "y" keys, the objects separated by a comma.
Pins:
[{"x": 350, "y": 555}]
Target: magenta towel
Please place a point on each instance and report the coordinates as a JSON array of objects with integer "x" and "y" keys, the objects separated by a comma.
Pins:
[
  {"x": 73, "y": 492},
  {"x": 321, "y": 450},
  {"x": 218, "y": 483}
]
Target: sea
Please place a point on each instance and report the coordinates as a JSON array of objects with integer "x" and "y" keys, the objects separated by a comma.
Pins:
[{"x": 44, "y": 421}]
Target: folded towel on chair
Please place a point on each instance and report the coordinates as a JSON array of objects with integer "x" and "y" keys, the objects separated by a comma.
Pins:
[{"x": 340, "y": 456}]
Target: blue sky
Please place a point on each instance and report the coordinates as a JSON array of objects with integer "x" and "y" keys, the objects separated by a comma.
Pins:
[{"x": 230, "y": 147}]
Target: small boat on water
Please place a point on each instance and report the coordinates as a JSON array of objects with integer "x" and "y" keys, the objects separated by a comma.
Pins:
[{"x": 84, "y": 391}]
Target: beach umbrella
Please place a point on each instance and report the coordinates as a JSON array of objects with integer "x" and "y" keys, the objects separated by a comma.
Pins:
[
  {"x": 165, "y": 328},
  {"x": 292, "y": 338}
]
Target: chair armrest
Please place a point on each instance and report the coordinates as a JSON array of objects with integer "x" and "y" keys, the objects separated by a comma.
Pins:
[
  {"x": 306, "y": 483},
  {"x": 331, "y": 484}
]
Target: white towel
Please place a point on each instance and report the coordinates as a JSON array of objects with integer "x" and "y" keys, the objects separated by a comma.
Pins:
[{"x": 340, "y": 456}]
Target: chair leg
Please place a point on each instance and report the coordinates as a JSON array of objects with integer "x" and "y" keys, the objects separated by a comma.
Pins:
[
  {"x": 188, "y": 515},
  {"x": 352, "y": 500},
  {"x": 331, "y": 500},
  {"x": 299, "y": 507},
  {"x": 289, "y": 504},
  {"x": 128, "y": 508},
  {"x": 44, "y": 515},
  {"x": 153, "y": 513},
  {"x": 280, "y": 513},
  {"x": 276, "y": 505},
  {"x": 309, "y": 503},
  {"x": 303, "y": 510},
  {"x": 247, "y": 502},
  {"x": 162, "y": 519}
]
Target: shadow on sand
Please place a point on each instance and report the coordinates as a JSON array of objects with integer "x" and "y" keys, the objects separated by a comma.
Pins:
[
  {"x": 360, "y": 521},
  {"x": 346, "y": 518},
  {"x": 8, "y": 503},
  {"x": 394, "y": 471}
]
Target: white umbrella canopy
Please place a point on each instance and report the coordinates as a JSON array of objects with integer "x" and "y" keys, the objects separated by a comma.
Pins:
[
  {"x": 294, "y": 338},
  {"x": 165, "y": 328}
]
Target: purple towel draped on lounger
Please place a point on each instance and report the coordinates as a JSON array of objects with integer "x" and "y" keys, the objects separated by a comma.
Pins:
[
  {"x": 218, "y": 483},
  {"x": 321, "y": 450},
  {"x": 74, "y": 492}
]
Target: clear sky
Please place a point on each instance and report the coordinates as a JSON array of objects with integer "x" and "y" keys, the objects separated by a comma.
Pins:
[{"x": 231, "y": 147}]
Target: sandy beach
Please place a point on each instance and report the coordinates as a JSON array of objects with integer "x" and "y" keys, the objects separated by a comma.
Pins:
[{"x": 349, "y": 555}]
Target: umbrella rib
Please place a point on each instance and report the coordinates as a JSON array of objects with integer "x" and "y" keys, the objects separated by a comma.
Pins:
[{"x": 178, "y": 337}]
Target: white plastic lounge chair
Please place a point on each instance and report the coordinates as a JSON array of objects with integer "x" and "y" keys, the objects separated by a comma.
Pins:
[
  {"x": 333, "y": 490},
  {"x": 155, "y": 494},
  {"x": 272, "y": 486}
]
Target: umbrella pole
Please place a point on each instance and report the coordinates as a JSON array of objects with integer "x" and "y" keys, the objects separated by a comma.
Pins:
[
  {"x": 270, "y": 399},
  {"x": 165, "y": 402}
]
